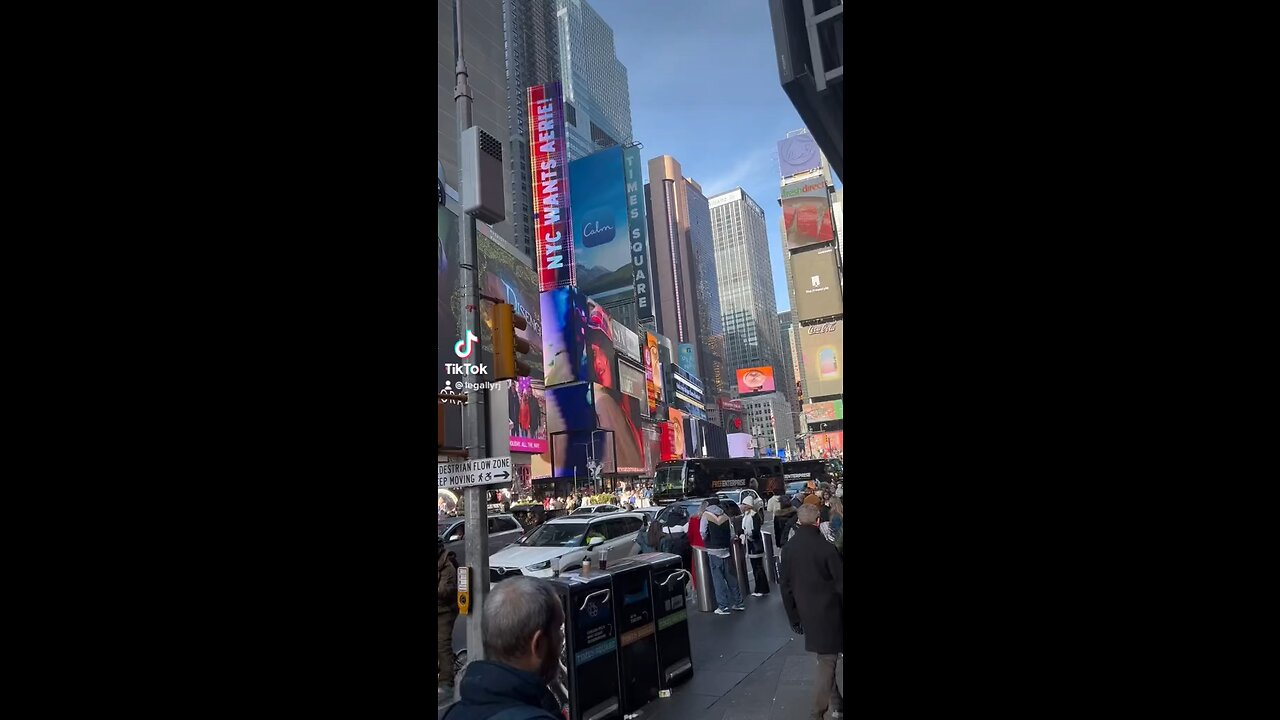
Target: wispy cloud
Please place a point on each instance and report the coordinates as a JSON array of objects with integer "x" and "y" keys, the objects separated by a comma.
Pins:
[{"x": 747, "y": 169}]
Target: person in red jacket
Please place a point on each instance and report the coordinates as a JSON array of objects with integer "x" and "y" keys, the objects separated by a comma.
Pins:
[{"x": 695, "y": 539}]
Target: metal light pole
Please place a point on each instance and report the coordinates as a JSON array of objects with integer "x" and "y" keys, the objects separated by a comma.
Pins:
[{"x": 473, "y": 415}]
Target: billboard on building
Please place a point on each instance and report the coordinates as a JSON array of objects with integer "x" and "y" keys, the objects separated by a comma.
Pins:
[
  {"x": 826, "y": 444},
  {"x": 673, "y": 446},
  {"x": 806, "y": 213},
  {"x": 797, "y": 154},
  {"x": 638, "y": 233},
  {"x": 829, "y": 411},
  {"x": 631, "y": 382},
  {"x": 626, "y": 341},
  {"x": 600, "y": 345},
  {"x": 552, "y": 220},
  {"x": 564, "y": 330},
  {"x": 817, "y": 284},
  {"x": 687, "y": 358},
  {"x": 601, "y": 248},
  {"x": 652, "y": 371},
  {"x": 822, "y": 355},
  {"x": 621, "y": 414},
  {"x": 739, "y": 445},
  {"x": 570, "y": 408},
  {"x": 755, "y": 380}
]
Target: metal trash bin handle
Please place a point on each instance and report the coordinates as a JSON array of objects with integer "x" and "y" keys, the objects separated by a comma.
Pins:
[
  {"x": 587, "y": 599},
  {"x": 673, "y": 576}
]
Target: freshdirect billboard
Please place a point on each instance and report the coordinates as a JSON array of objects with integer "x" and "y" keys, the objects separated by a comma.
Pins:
[
  {"x": 817, "y": 284},
  {"x": 601, "y": 250},
  {"x": 552, "y": 220},
  {"x": 638, "y": 228},
  {"x": 806, "y": 213},
  {"x": 822, "y": 354}
]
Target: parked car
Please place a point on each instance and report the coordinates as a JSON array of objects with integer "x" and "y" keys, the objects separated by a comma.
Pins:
[
  {"x": 595, "y": 509},
  {"x": 736, "y": 496},
  {"x": 562, "y": 543},
  {"x": 503, "y": 530},
  {"x": 531, "y": 515},
  {"x": 677, "y": 513}
]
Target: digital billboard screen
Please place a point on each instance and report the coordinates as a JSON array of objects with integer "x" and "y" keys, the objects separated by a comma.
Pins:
[
  {"x": 806, "y": 213},
  {"x": 631, "y": 382},
  {"x": 824, "y": 411},
  {"x": 755, "y": 380},
  {"x": 549, "y": 153},
  {"x": 822, "y": 355},
  {"x": 564, "y": 326},
  {"x": 826, "y": 444},
  {"x": 797, "y": 154},
  {"x": 652, "y": 371},
  {"x": 626, "y": 341},
  {"x": 675, "y": 426},
  {"x": 621, "y": 414},
  {"x": 817, "y": 284},
  {"x": 570, "y": 408},
  {"x": 600, "y": 345},
  {"x": 600, "y": 246},
  {"x": 740, "y": 445}
]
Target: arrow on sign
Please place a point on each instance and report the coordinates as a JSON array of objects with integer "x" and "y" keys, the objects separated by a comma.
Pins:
[{"x": 504, "y": 475}]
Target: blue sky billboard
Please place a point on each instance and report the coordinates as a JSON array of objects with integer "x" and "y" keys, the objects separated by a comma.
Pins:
[{"x": 601, "y": 249}]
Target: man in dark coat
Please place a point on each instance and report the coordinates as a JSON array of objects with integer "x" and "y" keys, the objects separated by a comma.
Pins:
[
  {"x": 446, "y": 616},
  {"x": 813, "y": 594},
  {"x": 522, "y": 642}
]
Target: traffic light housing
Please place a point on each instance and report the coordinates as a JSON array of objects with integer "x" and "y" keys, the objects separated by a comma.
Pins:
[{"x": 507, "y": 345}]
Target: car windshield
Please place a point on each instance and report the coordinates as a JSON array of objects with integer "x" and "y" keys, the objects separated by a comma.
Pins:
[
  {"x": 566, "y": 534},
  {"x": 735, "y": 495}
]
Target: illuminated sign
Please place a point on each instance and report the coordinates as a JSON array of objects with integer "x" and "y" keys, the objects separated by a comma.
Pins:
[
  {"x": 638, "y": 234},
  {"x": 549, "y": 154}
]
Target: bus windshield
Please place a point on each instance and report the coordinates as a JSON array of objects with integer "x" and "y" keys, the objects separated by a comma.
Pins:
[{"x": 669, "y": 481}]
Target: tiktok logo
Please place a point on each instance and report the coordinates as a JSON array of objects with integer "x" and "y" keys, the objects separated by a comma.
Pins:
[{"x": 463, "y": 348}]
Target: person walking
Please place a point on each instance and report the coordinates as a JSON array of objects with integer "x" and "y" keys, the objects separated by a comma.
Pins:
[
  {"x": 754, "y": 540},
  {"x": 522, "y": 641},
  {"x": 446, "y": 616},
  {"x": 717, "y": 532},
  {"x": 812, "y": 593},
  {"x": 694, "y": 533}
]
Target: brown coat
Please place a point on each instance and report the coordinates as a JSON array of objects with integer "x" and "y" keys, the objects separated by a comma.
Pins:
[{"x": 447, "y": 582}]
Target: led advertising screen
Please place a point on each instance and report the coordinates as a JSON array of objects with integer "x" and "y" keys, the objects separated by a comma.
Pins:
[
  {"x": 740, "y": 445},
  {"x": 527, "y": 422},
  {"x": 755, "y": 380},
  {"x": 626, "y": 341},
  {"x": 817, "y": 282},
  {"x": 447, "y": 330},
  {"x": 564, "y": 330},
  {"x": 824, "y": 411},
  {"x": 673, "y": 442},
  {"x": 581, "y": 455},
  {"x": 797, "y": 154},
  {"x": 822, "y": 355},
  {"x": 806, "y": 213},
  {"x": 570, "y": 408},
  {"x": 686, "y": 358},
  {"x": 652, "y": 371},
  {"x": 601, "y": 250},
  {"x": 600, "y": 345},
  {"x": 631, "y": 382},
  {"x": 549, "y": 153},
  {"x": 826, "y": 444},
  {"x": 638, "y": 227},
  {"x": 621, "y": 414}
]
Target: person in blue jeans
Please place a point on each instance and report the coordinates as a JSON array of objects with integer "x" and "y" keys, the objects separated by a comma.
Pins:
[{"x": 718, "y": 532}]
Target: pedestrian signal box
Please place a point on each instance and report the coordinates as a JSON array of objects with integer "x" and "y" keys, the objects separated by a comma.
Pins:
[{"x": 464, "y": 589}]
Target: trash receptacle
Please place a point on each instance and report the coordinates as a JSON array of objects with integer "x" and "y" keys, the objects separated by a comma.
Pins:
[
  {"x": 587, "y": 683},
  {"x": 675, "y": 661},
  {"x": 702, "y": 573},
  {"x": 770, "y": 557},
  {"x": 633, "y": 596},
  {"x": 739, "y": 556}
]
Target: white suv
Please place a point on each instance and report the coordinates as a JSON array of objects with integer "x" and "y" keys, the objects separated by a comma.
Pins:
[{"x": 564, "y": 541}]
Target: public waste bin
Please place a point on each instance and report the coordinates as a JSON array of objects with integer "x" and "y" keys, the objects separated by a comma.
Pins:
[
  {"x": 675, "y": 662},
  {"x": 633, "y": 595},
  {"x": 587, "y": 683},
  {"x": 739, "y": 557},
  {"x": 702, "y": 573},
  {"x": 770, "y": 557}
]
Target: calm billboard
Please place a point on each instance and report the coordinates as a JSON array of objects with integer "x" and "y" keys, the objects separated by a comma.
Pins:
[{"x": 601, "y": 251}]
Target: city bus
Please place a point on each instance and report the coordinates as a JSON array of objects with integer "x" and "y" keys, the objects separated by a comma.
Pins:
[{"x": 703, "y": 477}]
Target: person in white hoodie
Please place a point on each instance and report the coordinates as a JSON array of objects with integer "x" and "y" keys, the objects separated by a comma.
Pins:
[
  {"x": 753, "y": 539},
  {"x": 718, "y": 532}
]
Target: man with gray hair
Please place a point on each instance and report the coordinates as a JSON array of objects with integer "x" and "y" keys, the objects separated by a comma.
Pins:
[
  {"x": 813, "y": 595},
  {"x": 522, "y": 641}
]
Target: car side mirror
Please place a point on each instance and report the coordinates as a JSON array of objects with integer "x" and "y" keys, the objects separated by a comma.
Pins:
[
  {"x": 595, "y": 541},
  {"x": 454, "y": 537}
]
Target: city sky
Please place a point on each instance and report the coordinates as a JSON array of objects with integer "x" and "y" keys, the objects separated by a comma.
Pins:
[{"x": 704, "y": 88}]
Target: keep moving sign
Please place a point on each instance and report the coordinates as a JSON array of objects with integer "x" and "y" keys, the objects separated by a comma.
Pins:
[{"x": 481, "y": 471}]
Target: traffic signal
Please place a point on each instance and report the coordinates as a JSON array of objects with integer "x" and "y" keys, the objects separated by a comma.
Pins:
[{"x": 506, "y": 344}]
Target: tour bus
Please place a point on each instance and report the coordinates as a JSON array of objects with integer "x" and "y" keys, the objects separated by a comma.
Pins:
[
  {"x": 806, "y": 471},
  {"x": 703, "y": 477}
]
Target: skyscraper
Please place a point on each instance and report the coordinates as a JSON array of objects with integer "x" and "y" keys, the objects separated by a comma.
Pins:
[
  {"x": 748, "y": 304},
  {"x": 710, "y": 340},
  {"x": 674, "y": 276},
  {"x": 597, "y": 98}
]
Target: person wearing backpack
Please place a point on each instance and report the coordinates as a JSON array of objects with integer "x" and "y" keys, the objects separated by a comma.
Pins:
[
  {"x": 446, "y": 616},
  {"x": 522, "y": 643}
]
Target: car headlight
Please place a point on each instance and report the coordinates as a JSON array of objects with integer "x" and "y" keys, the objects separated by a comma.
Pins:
[{"x": 540, "y": 566}]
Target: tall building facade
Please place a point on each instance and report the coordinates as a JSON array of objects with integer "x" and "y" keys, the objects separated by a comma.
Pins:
[
  {"x": 673, "y": 273},
  {"x": 710, "y": 340},
  {"x": 748, "y": 305},
  {"x": 597, "y": 96},
  {"x": 771, "y": 423}
]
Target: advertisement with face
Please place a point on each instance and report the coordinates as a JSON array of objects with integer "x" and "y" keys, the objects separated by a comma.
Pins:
[
  {"x": 621, "y": 414},
  {"x": 564, "y": 330},
  {"x": 827, "y": 444},
  {"x": 755, "y": 380},
  {"x": 600, "y": 247},
  {"x": 822, "y": 354},
  {"x": 549, "y": 154},
  {"x": 677, "y": 424},
  {"x": 652, "y": 371},
  {"x": 806, "y": 213},
  {"x": 600, "y": 345},
  {"x": 817, "y": 283}
]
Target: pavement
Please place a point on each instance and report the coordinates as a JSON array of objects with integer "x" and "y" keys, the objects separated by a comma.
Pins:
[{"x": 746, "y": 666}]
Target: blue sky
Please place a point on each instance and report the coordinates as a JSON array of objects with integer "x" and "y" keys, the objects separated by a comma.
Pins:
[{"x": 705, "y": 90}]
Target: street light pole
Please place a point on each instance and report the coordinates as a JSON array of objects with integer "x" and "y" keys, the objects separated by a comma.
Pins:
[{"x": 473, "y": 431}]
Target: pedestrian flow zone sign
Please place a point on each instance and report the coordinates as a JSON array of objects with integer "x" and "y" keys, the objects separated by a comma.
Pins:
[{"x": 481, "y": 471}]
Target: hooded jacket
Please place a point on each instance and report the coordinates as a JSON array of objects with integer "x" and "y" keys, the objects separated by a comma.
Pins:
[
  {"x": 446, "y": 582},
  {"x": 488, "y": 688}
]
